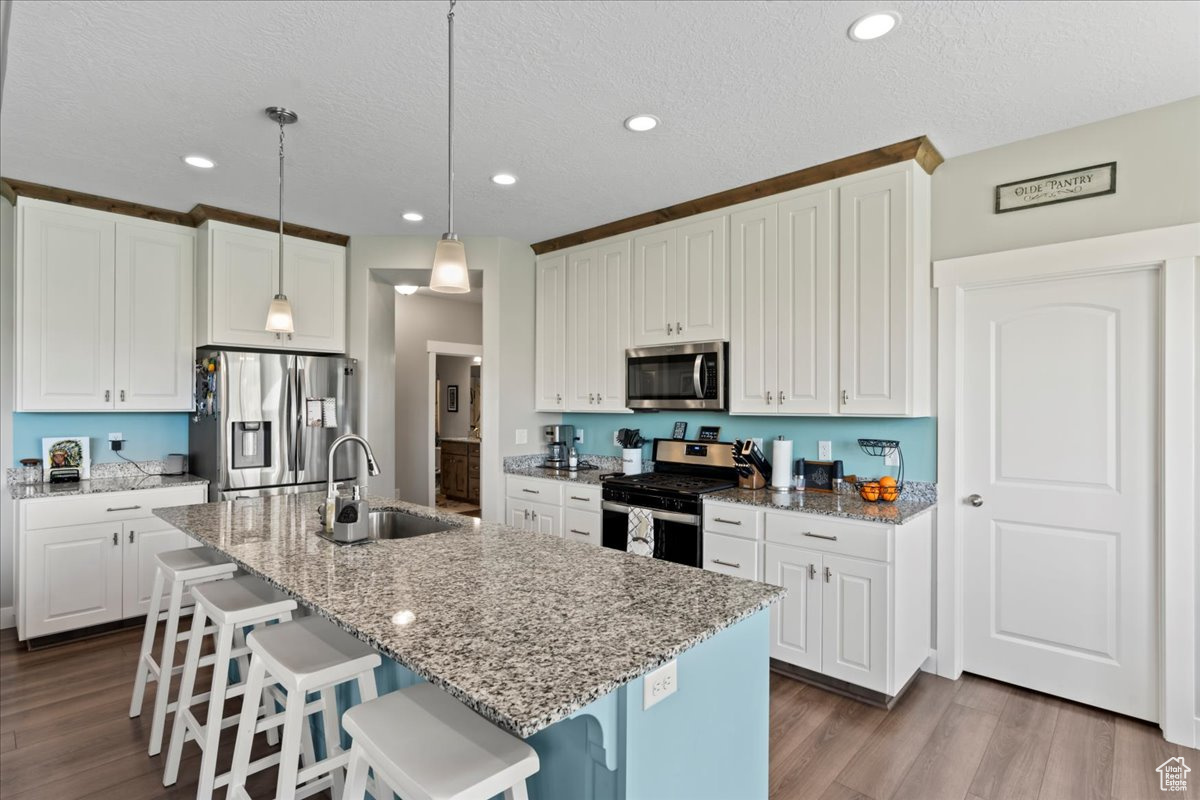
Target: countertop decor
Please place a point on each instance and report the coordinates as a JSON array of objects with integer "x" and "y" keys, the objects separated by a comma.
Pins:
[{"x": 916, "y": 499}]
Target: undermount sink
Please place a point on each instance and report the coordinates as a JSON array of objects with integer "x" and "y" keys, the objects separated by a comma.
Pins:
[{"x": 386, "y": 524}]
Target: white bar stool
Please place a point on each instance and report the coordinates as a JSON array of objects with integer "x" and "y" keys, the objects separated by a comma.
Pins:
[
  {"x": 307, "y": 655},
  {"x": 231, "y": 605},
  {"x": 182, "y": 569},
  {"x": 429, "y": 746}
]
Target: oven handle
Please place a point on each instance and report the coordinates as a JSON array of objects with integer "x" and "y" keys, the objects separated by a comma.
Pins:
[
  {"x": 665, "y": 516},
  {"x": 698, "y": 376}
]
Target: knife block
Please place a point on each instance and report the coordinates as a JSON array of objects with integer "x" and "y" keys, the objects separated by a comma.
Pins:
[{"x": 754, "y": 480}]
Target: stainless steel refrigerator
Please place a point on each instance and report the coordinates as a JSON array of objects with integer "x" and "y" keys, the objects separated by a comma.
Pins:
[{"x": 264, "y": 422}]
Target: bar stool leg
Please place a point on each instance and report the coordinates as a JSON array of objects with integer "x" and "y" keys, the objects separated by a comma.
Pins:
[
  {"x": 356, "y": 776},
  {"x": 289, "y": 754},
  {"x": 162, "y": 692},
  {"x": 517, "y": 792},
  {"x": 243, "y": 662},
  {"x": 216, "y": 713},
  {"x": 143, "y": 670},
  {"x": 246, "y": 724},
  {"x": 333, "y": 736},
  {"x": 367, "y": 691},
  {"x": 186, "y": 687}
]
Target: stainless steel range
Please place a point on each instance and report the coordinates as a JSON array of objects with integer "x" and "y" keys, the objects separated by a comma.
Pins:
[{"x": 684, "y": 471}]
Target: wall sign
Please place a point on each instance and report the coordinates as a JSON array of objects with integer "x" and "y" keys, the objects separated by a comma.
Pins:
[{"x": 1059, "y": 187}]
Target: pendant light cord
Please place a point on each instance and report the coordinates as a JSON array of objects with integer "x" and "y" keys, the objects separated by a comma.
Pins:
[
  {"x": 450, "y": 127},
  {"x": 281, "y": 124}
]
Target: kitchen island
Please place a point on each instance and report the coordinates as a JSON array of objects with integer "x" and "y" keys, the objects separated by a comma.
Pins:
[{"x": 546, "y": 638}]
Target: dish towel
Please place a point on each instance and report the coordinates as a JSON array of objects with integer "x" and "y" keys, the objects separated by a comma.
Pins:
[{"x": 641, "y": 532}]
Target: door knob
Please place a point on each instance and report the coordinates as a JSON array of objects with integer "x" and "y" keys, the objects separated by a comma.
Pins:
[{"x": 975, "y": 500}]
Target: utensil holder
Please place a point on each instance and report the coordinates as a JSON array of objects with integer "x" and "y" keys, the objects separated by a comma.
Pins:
[{"x": 631, "y": 460}]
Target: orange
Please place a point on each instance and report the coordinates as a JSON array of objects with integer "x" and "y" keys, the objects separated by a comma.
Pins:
[
  {"x": 888, "y": 494},
  {"x": 869, "y": 492},
  {"x": 887, "y": 480}
]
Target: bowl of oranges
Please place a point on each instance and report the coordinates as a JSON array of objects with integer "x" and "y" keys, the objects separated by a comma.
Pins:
[{"x": 882, "y": 490}]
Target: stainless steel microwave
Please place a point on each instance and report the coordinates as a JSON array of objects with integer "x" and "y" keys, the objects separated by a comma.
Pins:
[{"x": 677, "y": 376}]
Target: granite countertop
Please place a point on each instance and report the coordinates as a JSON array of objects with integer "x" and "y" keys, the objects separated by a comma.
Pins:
[
  {"x": 522, "y": 627},
  {"x": 849, "y": 506},
  {"x": 125, "y": 483},
  {"x": 589, "y": 476}
]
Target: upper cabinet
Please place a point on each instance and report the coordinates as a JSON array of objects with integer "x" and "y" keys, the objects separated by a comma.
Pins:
[
  {"x": 104, "y": 318},
  {"x": 679, "y": 284},
  {"x": 239, "y": 274},
  {"x": 550, "y": 345},
  {"x": 597, "y": 326}
]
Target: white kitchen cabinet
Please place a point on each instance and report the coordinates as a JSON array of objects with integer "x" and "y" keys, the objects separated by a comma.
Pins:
[
  {"x": 680, "y": 284},
  {"x": 74, "y": 578},
  {"x": 597, "y": 323},
  {"x": 143, "y": 540},
  {"x": 754, "y": 311},
  {"x": 854, "y": 622},
  {"x": 533, "y": 516},
  {"x": 796, "y": 620},
  {"x": 884, "y": 300},
  {"x": 559, "y": 508},
  {"x": 104, "y": 317},
  {"x": 550, "y": 325},
  {"x": 239, "y": 274},
  {"x": 583, "y": 526}
]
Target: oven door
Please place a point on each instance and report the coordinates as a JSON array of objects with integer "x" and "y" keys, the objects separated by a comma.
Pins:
[
  {"x": 680, "y": 376},
  {"x": 676, "y": 536}
]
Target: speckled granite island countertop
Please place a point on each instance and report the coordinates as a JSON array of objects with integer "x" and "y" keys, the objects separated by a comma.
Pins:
[
  {"x": 126, "y": 483},
  {"x": 523, "y": 627},
  {"x": 849, "y": 506}
]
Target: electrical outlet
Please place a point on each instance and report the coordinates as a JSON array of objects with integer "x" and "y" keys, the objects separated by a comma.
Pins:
[
  {"x": 522, "y": 436},
  {"x": 660, "y": 684},
  {"x": 824, "y": 451},
  {"x": 116, "y": 441},
  {"x": 616, "y": 441},
  {"x": 579, "y": 435},
  {"x": 891, "y": 458},
  {"x": 758, "y": 442}
]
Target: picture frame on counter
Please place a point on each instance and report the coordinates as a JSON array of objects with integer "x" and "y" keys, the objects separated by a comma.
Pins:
[
  {"x": 1057, "y": 187},
  {"x": 680, "y": 431},
  {"x": 709, "y": 433},
  {"x": 66, "y": 458}
]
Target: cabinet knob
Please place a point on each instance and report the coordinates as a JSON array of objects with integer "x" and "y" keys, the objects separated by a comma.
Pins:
[{"x": 975, "y": 500}]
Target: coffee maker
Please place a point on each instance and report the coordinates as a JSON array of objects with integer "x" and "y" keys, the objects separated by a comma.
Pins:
[{"x": 559, "y": 441}]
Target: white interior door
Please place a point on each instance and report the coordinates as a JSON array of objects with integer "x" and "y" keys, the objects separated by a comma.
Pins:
[{"x": 1060, "y": 416}]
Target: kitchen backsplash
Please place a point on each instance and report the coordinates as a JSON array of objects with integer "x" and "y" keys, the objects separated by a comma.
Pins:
[
  {"x": 148, "y": 436},
  {"x": 917, "y": 436}
]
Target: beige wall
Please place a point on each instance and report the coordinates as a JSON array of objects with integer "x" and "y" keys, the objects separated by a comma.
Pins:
[
  {"x": 454, "y": 371},
  {"x": 1158, "y": 183}
]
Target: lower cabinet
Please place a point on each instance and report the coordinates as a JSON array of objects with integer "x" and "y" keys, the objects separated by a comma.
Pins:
[
  {"x": 538, "y": 517},
  {"x": 460, "y": 471},
  {"x": 89, "y": 559},
  {"x": 560, "y": 508}
]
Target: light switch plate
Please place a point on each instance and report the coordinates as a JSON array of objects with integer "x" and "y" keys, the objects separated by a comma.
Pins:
[
  {"x": 891, "y": 458},
  {"x": 824, "y": 451},
  {"x": 660, "y": 684},
  {"x": 522, "y": 436}
]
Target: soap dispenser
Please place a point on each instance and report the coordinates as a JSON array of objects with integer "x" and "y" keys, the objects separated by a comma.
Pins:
[{"x": 351, "y": 523}]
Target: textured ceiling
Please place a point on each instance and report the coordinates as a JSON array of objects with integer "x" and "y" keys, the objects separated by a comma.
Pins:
[{"x": 104, "y": 97}]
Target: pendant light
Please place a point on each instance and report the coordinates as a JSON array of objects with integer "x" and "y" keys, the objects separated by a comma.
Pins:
[
  {"x": 450, "y": 258},
  {"x": 279, "y": 316}
]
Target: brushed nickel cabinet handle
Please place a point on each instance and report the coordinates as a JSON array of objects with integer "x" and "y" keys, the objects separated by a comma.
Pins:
[
  {"x": 107, "y": 395},
  {"x": 124, "y": 508},
  {"x": 131, "y": 537},
  {"x": 726, "y": 563},
  {"x": 678, "y": 328},
  {"x": 122, "y": 395},
  {"x": 845, "y": 397},
  {"x": 531, "y": 491},
  {"x": 114, "y": 540},
  {"x": 812, "y": 572},
  {"x": 828, "y": 574},
  {"x": 768, "y": 398},
  {"x": 581, "y": 533},
  {"x": 581, "y": 499},
  {"x": 727, "y": 521},
  {"x": 819, "y": 536}
]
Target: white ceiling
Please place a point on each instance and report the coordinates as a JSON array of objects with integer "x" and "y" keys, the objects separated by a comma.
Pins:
[{"x": 104, "y": 97}]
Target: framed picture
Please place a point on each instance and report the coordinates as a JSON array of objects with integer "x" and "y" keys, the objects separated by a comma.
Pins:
[
  {"x": 1058, "y": 187},
  {"x": 709, "y": 433},
  {"x": 66, "y": 458},
  {"x": 680, "y": 431},
  {"x": 452, "y": 398}
]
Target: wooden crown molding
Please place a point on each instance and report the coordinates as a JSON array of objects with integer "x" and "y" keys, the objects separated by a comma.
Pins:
[
  {"x": 12, "y": 189},
  {"x": 919, "y": 149}
]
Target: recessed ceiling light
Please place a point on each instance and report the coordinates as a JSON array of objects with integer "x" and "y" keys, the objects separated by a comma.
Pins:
[
  {"x": 641, "y": 122},
  {"x": 200, "y": 162},
  {"x": 406, "y": 289},
  {"x": 872, "y": 26},
  {"x": 412, "y": 216},
  {"x": 504, "y": 179}
]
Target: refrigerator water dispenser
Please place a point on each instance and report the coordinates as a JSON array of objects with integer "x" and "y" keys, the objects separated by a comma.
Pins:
[{"x": 251, "y": 445}]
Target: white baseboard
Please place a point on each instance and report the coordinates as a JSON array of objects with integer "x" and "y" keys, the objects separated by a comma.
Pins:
[{"x": 8, "y": 617}]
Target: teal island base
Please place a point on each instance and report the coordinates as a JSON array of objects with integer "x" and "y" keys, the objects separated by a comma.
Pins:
[{"x": 707, "y": 740}]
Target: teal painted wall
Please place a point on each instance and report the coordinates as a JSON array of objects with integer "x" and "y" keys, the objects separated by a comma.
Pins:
[
  {"x": 148, "y": 436},
  {"x": 917, "y": 436}
]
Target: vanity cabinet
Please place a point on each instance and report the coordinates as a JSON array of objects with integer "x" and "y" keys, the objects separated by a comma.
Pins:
[
  {"x": 460, "y": 471},
  {"x": 550, "y": 333},
  {"x": 104, "y": 317},
  {"x": 679, "y": 283},
  {"x": 239, "y": 274},
  {"x": 89, "y": 559},
  {"x": 597, "y": 323}
]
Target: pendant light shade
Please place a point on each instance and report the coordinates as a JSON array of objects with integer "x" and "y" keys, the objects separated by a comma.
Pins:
[
  {"x": 279, "y": 315},
  {"x": 450, "y": 258},
  {"x": 450, "y": 267}
]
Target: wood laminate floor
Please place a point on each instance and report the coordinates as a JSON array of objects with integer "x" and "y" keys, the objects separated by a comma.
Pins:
[{"x": 65, "y": 733}]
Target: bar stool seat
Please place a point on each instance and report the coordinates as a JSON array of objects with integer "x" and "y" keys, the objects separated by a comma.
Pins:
[
  {"x": 176, "y": 570},
  {"x": 307, "y": 654},
  {"x": 429, "y": 746}
]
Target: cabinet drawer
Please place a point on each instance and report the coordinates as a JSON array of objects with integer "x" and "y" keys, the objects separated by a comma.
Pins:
[
  {"x": 535, "y": 490},
  {"x": 730, "y": 555},
  {"x": 582, "y": 526},
  {"x": 860, "y": 540},
  {"x": 454, "y": 448},
  {"x": 733, "y": 520},
  {"x": 100, "y": 508},
  {"x": 582, "y": 497}
]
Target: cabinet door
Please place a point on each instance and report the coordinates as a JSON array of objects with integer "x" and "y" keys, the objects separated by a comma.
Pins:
[
  {"x": 518, "y": 514},
  {"x": 584, "y": 323},
  {"x": 153, "y": 366},
  {"x": 143, "y": 540},
  {"x": 72, "y": 577},
  {"x": 550, "y": 337},
  {"x": 314, "y": 279},
  {"x": 795, "y": 620},
  {"x": 654, "y": 287},
  {"x": 244, "y": 266},
  {"x": 582, "y": 526},
  {"x": 702, "y": 279},
  {"x": 754, "y": 311},
  {"x": 547, "y": 519},
  {"x": 610, "y": 297},
  {"x": 854, "y": 621},
  {"x": 806, "y": 333},
  {"x": 876, "y": 296},
  {"x": 66, "y": 310}
]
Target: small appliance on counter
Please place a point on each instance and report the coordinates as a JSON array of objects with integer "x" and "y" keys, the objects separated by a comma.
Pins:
[
  {"x": 752, "y": 468},
  {"x": 559, "y": 441},
  {"x": 175, "y": 464}
]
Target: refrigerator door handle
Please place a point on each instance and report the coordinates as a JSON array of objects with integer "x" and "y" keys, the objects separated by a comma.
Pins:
[
  {"x": 289, "y": 419},
  {"x": 301, "y": 419}
]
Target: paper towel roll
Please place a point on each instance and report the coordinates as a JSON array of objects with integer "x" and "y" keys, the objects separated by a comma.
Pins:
[{"x": 781, "y": 464}]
